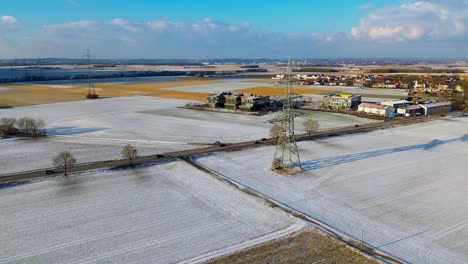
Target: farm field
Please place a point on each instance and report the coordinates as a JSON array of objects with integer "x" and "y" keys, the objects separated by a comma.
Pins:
[
  {"x": 97, "y": 129},
  {"x": 31, "y": 154},
  {"x": 403, "y": 188},
  {"x": 163, "y": 213},
  {"x": 183, "y": 88},
  {"x": 304, "y": 247}
]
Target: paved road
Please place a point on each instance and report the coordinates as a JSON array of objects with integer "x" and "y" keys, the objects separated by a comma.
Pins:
[{"x": 29, "y": 175}]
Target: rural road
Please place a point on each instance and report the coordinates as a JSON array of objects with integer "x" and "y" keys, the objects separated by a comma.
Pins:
[{"x": 40, "y": 173}]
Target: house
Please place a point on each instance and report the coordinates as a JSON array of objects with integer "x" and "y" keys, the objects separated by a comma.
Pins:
[
  {"x": 233, "y": 101},
  {"x": 216, "y": 100},
  {"x": 254, "y": 103},
  {"x": 375, "y": 109},
  {"x": 417, "y": 84},
  {"x": 436, "y": 108},
  {"x": 278, "y": 77},
  {"x": 341, "y": 101},
  {"x": 410, "y": 110}
]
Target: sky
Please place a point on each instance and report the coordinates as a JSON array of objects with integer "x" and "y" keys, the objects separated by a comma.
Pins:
[{"x": 234, "y": 29}]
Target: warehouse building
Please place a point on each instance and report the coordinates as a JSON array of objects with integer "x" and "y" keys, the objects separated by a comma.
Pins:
[
  {"x": 436, "y": 108},
  {"x": 376, "y": 109}
]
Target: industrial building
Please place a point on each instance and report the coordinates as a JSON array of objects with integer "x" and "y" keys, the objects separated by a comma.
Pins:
[
  {"x": 341, "y": 101},
  {"x": 376, "y": 109},
  {"x": 245, "y": 103},
  {"x": 436, "y": 108},
  {"x": 396, "y": 103},
  {"x": 410, "y": 110}
]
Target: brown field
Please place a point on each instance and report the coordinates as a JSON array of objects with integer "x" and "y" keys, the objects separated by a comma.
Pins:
[
  {"x": 306, "y": 246},
  {"x": 161, "y": 89},
  {"x": 35, "y": 94},
  {"x": 32, "y": 95},
  {"x": 275, "y": 91},
  {"x": 154, "y": 87}
]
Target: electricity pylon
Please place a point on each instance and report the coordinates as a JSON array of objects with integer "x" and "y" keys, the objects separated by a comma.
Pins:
[
  {"x": 286, "y": 159},
  {"x": 91, "y": 91}
]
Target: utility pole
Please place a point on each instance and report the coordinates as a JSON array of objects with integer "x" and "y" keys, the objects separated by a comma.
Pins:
[{"x": 286, "y": 159}]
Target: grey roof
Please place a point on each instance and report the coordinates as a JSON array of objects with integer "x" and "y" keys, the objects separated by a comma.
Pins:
[{"x": 436, "y": 104}]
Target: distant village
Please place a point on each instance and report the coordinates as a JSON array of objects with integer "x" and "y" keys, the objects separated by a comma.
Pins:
[
  {"x": 427, "y": 95},
  {"x": 421, "y": 85}
]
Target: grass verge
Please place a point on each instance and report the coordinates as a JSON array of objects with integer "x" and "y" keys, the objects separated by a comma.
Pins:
[{"x": 306, "y": 246}]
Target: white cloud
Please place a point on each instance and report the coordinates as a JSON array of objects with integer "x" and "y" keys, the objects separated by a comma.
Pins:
[
  {"x": 430, "y": 20},
  {"x": 8, "y": 20}
]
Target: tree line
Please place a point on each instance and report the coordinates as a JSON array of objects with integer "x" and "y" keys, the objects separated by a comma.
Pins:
[{"x": 25, "y": 126}]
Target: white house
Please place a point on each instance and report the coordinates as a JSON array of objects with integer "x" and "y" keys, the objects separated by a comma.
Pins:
[{"x": 376, "y": 109}]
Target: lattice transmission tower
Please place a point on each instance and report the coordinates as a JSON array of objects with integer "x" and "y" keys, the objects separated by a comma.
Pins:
[
  {"x": 286, "y": 159},
  {"x": 91, "y": 91}
]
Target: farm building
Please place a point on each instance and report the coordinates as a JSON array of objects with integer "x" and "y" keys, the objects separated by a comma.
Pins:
[
  {"x": 436, "y": 108},
  {"x": 341, "y": 101},
  {"x": 376, "y": 109}
]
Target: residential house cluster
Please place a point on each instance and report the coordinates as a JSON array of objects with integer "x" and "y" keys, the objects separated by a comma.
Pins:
[{"x": 427, "y": 85}]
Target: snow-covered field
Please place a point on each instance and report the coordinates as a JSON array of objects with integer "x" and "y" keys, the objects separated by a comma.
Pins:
[
  {"x": 97, "y": 129},
  {"x": 405, "y": 188},
  {"x": 227, "y": 86},
  {"x": 24, "y": 154},
  {"x": 163, "y": 213}
]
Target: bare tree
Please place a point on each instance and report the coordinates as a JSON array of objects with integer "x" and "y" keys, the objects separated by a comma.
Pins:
[
  {"x": 311, "y": 126},
  {"x": 64, "y": 160},
  {"x": 23, "y": 125},
  {"x": 276, "y": 131},
  {"x": 129, "y": 152},
  {"x": 7, "y": 126},
  {"x": 31, "y": 127}
]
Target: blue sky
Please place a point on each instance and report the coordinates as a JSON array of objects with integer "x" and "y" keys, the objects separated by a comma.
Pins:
[
  {"x": 240, "y": 28},
  {"x": 298, "y": 16}
]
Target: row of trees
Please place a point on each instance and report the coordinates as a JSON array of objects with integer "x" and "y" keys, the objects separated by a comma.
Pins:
[
  {"x": 22, "y": 127},
  {"x": 64, "y": 160}
]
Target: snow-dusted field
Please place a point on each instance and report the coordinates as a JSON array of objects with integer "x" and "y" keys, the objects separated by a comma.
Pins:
[
  {"x": 227, "y": 86},
  {"x": 97, "y": 129},
  {"x": 164, "y": 213},
  {"x": 21, "y": 155},
  {"x": 406, "y": 187}
]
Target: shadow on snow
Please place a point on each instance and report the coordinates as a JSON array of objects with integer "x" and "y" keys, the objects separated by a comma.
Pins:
[
  {"x": 71, "y": 130},
  {"x": 333, "y": 161}
]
